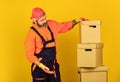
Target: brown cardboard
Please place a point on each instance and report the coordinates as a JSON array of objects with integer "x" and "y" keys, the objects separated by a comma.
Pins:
[
  {"x": 90, "y": 45},
  {"x": 95, "y": 69},
  {"x": 90, "y": 31},
  {"x": 98, "y": 74},
  {"x": 89, "y": 55}
]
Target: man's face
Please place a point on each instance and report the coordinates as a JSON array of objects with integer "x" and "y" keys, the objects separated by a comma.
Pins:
[{"x": 42, "y": 22}]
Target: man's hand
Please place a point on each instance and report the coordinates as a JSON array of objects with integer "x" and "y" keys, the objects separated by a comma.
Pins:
[
  {"x": 82, "y": 19},
  {"x": 74, "y": 22},
  {"x": 45, "y": 69}
]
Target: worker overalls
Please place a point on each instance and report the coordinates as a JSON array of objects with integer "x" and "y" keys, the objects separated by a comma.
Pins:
[{"x": 48, "y": 55}]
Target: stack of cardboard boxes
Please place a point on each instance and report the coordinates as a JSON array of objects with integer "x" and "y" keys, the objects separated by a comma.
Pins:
[{"x": 89, "y": 53}]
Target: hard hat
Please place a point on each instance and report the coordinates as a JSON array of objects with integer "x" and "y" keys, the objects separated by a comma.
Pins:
[{"x": 37, "y": 13}]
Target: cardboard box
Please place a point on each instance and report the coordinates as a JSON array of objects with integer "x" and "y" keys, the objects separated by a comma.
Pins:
[
  {"x": 90, "y": 31},
  {"x": 98, "y": 74},
  {"x": 89, "y": 55}
]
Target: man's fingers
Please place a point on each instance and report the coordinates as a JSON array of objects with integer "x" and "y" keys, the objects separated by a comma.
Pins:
[
  {"x": 46, "y": 68},
  {"x": 40, "y": 59},
  {"x": 49, "y": 72}
]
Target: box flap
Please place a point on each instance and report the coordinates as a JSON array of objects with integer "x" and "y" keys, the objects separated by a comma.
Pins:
[
  {"x": 90, "y": 45},
  {"x": 96, "y": 69},
  {"x": 91, "y": 22}
]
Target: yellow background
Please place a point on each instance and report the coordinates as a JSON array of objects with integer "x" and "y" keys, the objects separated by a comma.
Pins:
[{"x": 14, "y": 23}]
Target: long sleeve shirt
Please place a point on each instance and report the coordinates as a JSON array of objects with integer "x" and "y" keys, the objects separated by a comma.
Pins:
[{"x": 33, "y": 43}]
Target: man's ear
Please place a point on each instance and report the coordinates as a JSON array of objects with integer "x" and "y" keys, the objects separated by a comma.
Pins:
[{"x": 34, "y": 21}]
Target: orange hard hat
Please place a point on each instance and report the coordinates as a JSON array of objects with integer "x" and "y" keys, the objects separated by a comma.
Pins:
[{"x": 37, "y": 13}]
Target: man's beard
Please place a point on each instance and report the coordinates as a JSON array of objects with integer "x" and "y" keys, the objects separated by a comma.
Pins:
[{"x": 43, "y": 25}]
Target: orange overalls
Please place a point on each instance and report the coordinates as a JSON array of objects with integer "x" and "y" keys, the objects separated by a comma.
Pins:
[{"x": 48, "y": 53}]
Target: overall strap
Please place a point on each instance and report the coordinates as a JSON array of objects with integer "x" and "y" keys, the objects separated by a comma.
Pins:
[
  {"x": 51, "y": 32},
  {"x": 38, "y": 34},
  {"x": 43, "y": 40}
]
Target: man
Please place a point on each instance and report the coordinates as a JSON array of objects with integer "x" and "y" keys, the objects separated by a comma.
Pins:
[{"x": 40, "y": 46}]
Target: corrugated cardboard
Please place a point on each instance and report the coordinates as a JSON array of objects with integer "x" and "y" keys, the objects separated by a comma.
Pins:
[
  {"x": 95, "y": 69},
  {"x": 89, "y": 55},
  {"x": 90, "y": 45},
  {"x": 98, "y": 74},
  {"x": 90, "y": 31}
]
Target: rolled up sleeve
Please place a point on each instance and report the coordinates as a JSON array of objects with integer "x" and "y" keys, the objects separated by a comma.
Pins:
[
  {"x": 63, "y": 26},
  {"x": 30, "y": 47}
]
